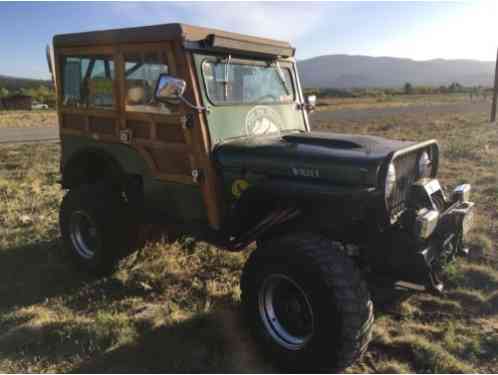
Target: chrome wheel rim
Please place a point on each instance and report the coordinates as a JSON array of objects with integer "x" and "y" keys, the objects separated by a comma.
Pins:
[
  {"x": 84, "y": 235},
  {"x": 286, "y": 311}
]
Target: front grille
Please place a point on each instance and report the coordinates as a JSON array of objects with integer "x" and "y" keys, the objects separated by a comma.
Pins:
[
  {"x": 438, "y": 200},
  {"x": 406, "y": 174}
]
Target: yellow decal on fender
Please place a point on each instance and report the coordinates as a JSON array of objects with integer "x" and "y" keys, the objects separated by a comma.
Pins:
[{"x": 238, "y": 187}]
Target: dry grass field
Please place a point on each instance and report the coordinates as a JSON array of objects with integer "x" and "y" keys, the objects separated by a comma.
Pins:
[
  {"x": 174, "y": 307},
  {"x": 28, "y": 119},
  {"x": 48, "y": 118},
  {"x": 331, "y": 104}
]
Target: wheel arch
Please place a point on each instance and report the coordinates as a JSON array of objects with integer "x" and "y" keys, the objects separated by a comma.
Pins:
[
  {"x": 278, "y": 206},
  {"x": 89, "y": 165},
  {"x": 264, "y": 209}
]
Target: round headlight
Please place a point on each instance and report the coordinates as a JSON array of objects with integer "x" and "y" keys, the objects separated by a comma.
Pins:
[
  {"x": 390, "y": 180},
  {"x": 424, "y": 165}
]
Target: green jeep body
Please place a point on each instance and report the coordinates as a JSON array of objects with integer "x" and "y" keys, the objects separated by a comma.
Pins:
[{"x": 379, "y": 199}]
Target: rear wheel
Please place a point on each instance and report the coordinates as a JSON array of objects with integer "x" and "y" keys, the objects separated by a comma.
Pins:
[
  {"x": 84, "y": 235},
  {"x": 97, "y": 228},
  {"x": 306, "y": 303}
]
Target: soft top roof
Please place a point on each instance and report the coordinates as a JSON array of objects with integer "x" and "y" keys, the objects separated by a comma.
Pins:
[{"x": 187, "y": 34}]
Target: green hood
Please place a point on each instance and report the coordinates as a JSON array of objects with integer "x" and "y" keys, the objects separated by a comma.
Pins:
[{"x": 339, "y": 158}]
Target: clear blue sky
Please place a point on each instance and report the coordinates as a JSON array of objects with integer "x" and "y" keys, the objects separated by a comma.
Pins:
[{"x": 402, "y": 29}]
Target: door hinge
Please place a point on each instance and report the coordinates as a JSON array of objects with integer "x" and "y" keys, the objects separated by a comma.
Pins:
[
  {"x": 188, "y": 121},
  {"x": 197, "y": 175},
  {"x": 125, "y": 136}
]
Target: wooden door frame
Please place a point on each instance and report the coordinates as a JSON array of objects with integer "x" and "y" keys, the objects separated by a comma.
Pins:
[
  {"x": 194, "y": 123},
  {"x": 209, "y": 180}
]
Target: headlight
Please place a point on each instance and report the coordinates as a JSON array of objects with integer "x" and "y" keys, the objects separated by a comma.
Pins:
[
  {"x": 390, "y": 180},
  {"x": 424, "y": 165}
]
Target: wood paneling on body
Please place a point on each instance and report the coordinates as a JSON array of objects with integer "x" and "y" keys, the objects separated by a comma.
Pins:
[
  {"x": 170, "y": 148},
  {"x": 170, "y": 160},
  {"x": 75, "y": 122},
  {"x": 102, "y": 125},
  {"x": 170, "y": 133},
  {"x": 139, "y": 129}
]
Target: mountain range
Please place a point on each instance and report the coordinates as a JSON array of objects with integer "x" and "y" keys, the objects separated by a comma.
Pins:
[
  {"x": 348, "y": 71},
  {"x": 16, "y": 83},
  {"x": 356, "y": 71}
]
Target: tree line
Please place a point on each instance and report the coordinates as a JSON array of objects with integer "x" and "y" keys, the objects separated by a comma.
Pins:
[
  {"x": 407, "y": 89},
  {"x": 40, "y": 90},
  {"x": 41, "y": 94}
]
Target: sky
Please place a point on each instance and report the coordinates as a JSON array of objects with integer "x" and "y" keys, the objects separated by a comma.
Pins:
[{"x": 417, "y": 30}]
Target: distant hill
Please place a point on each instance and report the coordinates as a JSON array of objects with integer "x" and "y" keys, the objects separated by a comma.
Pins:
[
  {"x": 347, "y": 71},
  {"x": 14, "y": 84}
]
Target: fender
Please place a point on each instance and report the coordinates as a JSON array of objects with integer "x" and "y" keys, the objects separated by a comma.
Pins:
[
  {"x": 305, "y": 189},
  {"x": 276, "y": 202},
  {"x": 120, "y": 157},
  {"x": 80, "y": 166}
]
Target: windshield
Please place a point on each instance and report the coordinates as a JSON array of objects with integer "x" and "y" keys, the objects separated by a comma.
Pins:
[{"x": 235, "y": 83}]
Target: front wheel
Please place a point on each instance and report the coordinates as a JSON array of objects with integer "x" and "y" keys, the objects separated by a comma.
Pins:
[{"x": 307, "y": 304}]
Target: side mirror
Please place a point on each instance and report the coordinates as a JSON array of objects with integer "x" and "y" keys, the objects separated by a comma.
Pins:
[
  {"x": 310, "y": 103},
  {"x": 169, "y": 88}
]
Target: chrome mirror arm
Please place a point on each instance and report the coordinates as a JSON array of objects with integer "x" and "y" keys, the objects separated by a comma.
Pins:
[{"x": 192, "y": 106}]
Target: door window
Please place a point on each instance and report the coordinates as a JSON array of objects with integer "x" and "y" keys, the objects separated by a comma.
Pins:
[
  {"x": 141, "y": 73},
  {"x": 88, "y": 81}
]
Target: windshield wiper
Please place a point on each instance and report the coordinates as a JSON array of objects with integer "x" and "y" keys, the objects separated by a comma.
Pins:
[{"x": 225, "y": 82}]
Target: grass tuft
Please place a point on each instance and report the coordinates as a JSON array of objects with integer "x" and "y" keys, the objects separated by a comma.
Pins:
[
  {"x": 431, "y": 357},
  {"x": 393, "y": 367}
]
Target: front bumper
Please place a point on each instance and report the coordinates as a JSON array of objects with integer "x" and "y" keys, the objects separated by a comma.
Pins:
[
  {"x": 444, "y": 244},
  {"x": 427, "y": 239}
]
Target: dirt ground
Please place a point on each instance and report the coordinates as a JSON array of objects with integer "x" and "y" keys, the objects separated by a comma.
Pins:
[{"x": 174, "y": 306}]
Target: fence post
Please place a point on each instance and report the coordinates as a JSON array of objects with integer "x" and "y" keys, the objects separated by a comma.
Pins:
[{"x": 495, "y": 92}]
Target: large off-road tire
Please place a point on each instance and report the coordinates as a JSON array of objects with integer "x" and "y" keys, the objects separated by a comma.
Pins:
[
  {"x": 306, "y": 303},
  {"x": 97, "y": 228}
]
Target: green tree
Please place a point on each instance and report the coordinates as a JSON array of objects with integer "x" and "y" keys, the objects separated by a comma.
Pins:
[
  {"x": 455, "y": 87},
  {"x": 3, "y": 92},
  {"x": 408, "y": 89},
  {"x": 41, "y": 94}
]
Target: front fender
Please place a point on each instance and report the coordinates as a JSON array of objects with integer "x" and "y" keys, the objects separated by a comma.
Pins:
[{"x": 319, "y": 203}]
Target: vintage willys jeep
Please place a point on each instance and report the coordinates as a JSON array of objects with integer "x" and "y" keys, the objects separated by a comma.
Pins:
[{"x": 209, "y": 130}]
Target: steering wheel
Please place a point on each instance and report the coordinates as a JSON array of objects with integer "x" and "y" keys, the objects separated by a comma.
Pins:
[{"x": 267, "y": 96}]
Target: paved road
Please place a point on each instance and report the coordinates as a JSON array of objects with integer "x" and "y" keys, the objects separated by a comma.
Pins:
[{"x": 28, "y": 135}]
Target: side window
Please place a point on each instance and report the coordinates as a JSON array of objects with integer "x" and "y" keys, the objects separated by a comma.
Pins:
[
  {"x": 141, "y": 73},
  {"x": 88, "y": 81}
]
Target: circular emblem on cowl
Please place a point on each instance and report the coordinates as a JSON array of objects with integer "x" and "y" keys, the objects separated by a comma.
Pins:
[{"x": 263, "y": 120}]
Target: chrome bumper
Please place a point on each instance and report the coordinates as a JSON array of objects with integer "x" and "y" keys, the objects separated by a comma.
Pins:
[{"x": 458, "y": 212}]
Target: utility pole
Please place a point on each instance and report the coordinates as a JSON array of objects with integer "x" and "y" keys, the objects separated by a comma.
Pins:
[{"x": 495, "y": 92}]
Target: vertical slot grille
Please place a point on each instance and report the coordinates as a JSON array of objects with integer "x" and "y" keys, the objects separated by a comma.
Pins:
[
  {"x": 406, "y": 174},
  {"x": 438, "y": 199}
]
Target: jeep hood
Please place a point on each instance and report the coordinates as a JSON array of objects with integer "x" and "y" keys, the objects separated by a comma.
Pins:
[{"x": 341, "y": 158}]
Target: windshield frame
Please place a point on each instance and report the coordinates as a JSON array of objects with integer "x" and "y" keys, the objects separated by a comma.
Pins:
[{"x": 276, "y": 64}]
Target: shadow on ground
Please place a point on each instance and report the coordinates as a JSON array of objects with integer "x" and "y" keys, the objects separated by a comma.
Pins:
[
  {"x": 31, "y": 274},
  {"x": 34, "y": 273},
  {"x": 124, "y": 340},
  {"x": 215, "y": 342},
  {"x": 39, "y": 280}
]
